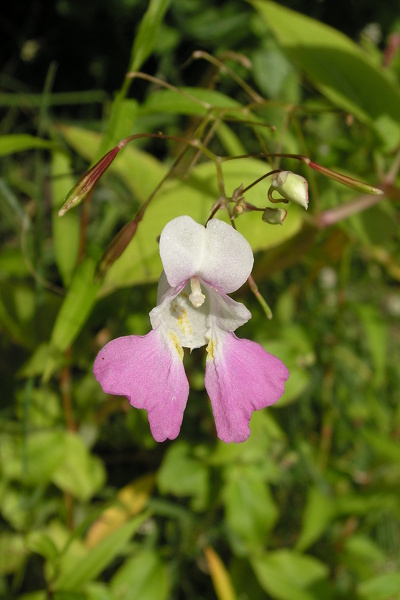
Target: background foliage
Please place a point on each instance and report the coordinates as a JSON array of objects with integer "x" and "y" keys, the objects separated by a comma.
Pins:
[{"x": 91, "y": 507}]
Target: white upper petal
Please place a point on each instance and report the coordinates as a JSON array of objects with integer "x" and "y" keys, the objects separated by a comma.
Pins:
[{"x": 218, "y": 254}]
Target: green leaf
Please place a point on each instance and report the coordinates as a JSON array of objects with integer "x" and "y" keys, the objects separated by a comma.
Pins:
[
  {"x": 69, "y": 596},
  {"x": 80, "y": 473},
  {"x": 73, "y": 313},
  {"x": 183, "y": 475},
  {"x": 97, "y": 591},
  {"x": 250, "y": 511},
  {"x": 257, "y": 448},
  {"x": 336, "y": 65},
  {"x": 285, "y": 574},
  {"x": 364, "y": 549},
  {"x": 36, "y": 458},
  {"x": 381, "y": 587},
  {"x": 42, "y": 595},
  {"x": 86, "y": 568},
  {"x": 316, "y": 517},
  {"x": 273, "y": 60},
  {"x": 143, "y": 576},
  {"x": 40, "y": 543},
  {"x": 17, "y": 311},
  {"x": 66, "y": 231},
  {"x": 294, "y": 352},
  {"x": 128, "y": 502},
  {"x": 147, "y": 34},
  {"x": 128, "y": 110},
  {"x": 190, "y": 101},
  {"x": 386, "y": 448},
  {"x": 373, "y": 227},
  {"x": 12, "y": 552},
  {"x": 375, "y": 329},
  {"x": 19, "y": 142}
]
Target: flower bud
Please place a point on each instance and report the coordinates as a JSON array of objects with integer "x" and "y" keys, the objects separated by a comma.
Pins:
[
  {"x": 116, "y": 248},
  {"x": 274, "y": 216},
  {"x": 86, "y": 184},
  {"x": 291, "y": 187}
]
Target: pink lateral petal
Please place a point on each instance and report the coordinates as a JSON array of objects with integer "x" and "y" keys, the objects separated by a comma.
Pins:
[
  {"x": 241, "y": 377},
  {"x": 149, "y": 371}
]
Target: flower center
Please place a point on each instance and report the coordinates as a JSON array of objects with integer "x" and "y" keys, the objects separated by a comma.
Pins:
[{"x": 196, "y": 297}]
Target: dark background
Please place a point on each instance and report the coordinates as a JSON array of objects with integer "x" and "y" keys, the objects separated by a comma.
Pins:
[{"x": 90, "y": 42}]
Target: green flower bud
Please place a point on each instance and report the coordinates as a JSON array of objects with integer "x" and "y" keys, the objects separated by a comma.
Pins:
[
  {"x": 291, "y": 187},
  {"x": 274, "y": 216}
]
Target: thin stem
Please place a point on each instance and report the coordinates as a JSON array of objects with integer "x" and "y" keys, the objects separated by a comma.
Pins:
[
  {"x": 254, "y": 288},
  {"x": 207, "y": 140},
  {"x": 198, "y": 54},
  {"x": 168, "y": 86},
  {"x": 261, "y": 179}
]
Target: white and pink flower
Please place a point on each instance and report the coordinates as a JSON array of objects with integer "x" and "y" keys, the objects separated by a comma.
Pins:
[{"x": 201, "y": 266}]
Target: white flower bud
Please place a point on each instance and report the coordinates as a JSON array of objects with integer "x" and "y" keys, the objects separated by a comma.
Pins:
[
  {"x": 291, "y": 187},
  {"x": 274, "y": 216}
]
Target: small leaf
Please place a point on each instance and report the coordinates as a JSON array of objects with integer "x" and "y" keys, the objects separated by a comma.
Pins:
[
  {"x": 316, "y": 517},
  {"x": 36, "y": 458},
  {"x": 148, "y": 30},
  {"x": 69, "y": 596},
  {"x": 386, "y": 448},
  {"x": 42, "y": 595},
  {"x": 86, "y": 568},
  {"x": 286, "y": 575},
  {"x": 144, "y": 577},
  {"x": 250, "y": 511},
  {"x": 189, "y": 101},
  {"x": 380, "y": 587},
  {"x": 19, "y": 142},
  {"x": 129, "y": 501},
  {"x": 97, "y": 591},
  {"x": 80, "y": 473},
  {"x": 364, "y": 549},
  {"x": 12, "y": 552},
  {"x": 183, "y": 475},
  {"x": 40, "y": 543}
]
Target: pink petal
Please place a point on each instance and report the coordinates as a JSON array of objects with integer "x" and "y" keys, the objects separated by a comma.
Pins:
[
  {"x": 149, "y": 371},
  {"x": 240, "y": 377}
]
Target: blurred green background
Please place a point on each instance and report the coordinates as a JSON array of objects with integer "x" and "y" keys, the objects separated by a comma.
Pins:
[{"x": 91, "y": 507}]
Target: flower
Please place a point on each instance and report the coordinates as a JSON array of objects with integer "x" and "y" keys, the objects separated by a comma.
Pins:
[{"x": 201, "y": 266}]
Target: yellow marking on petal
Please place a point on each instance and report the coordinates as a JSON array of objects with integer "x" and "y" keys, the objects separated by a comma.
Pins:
[
  {"x": 182, "y": 320},
  {"x": 210, "y": 350},
  {"x": 175, "y": 341}
]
